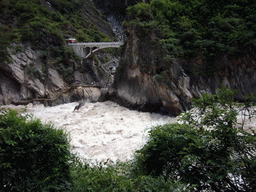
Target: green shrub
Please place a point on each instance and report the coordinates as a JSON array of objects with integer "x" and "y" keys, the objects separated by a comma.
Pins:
[
  {"x": 208, "y": 150},
  {"x": 34, "y": 156},
  {"x": 140, "y": 12},
  {"x": 117, "y": 177}
]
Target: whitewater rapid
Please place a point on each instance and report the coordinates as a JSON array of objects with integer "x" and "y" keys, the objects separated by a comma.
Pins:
[
  {"x": 104, "y": 131},
  {"x": 101, "y": 131}
]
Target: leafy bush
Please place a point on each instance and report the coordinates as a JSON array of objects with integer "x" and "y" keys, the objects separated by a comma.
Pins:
[
  {"x": 207, "y": 150},
  {"x": 117, "y": 177},
  {"x": 140, "y": 12},
  {"x": 34, "y": 156}
]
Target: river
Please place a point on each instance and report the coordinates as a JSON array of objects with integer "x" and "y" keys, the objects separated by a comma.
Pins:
[
  {"x": 103, "y": 131},
  {"x": 100, "y": 131}
]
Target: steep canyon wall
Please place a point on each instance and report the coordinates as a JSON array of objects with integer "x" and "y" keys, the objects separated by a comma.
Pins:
[
  {"x": 27, "y": 79},
  {"x": 150, "y": 81},
  {"x": 41, "y": 67}
]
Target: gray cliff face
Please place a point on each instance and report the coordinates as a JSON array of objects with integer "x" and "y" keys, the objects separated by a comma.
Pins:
[
  {"x": 142, "y": 83},
  {"x": 15, "y": 82},
  {"x": 45, "y": 70},
  {"x": 136, "y": 82},
  {"x": 27, "y": 79}
]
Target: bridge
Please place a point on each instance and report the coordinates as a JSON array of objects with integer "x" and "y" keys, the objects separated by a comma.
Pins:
[{"x": 88, "y": 50}]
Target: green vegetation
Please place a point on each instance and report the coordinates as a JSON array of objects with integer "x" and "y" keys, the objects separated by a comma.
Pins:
[
  {"x": 36, "y": 157},
  {"x": 191, "y": 28},
  {"x": 115, "y": 7},
  {"x": 118, "y": 177},
  {"x": 208, "y": 150},
  {"x": 33, "y": 156},
  {"x": 46, "y": 25},
  {"x": 47, "y": 22}
]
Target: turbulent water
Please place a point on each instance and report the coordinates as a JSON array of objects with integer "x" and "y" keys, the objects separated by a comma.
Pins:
[
  {"x": 104, "y": 130},
  {"x": 101, "y": 131}
]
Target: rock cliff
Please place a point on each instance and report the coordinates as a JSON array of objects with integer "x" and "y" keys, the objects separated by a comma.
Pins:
[
  {"x": 28, "y": 79},
  {"x": 39, "y": 66},
  {"x": 144, "y": 82}
]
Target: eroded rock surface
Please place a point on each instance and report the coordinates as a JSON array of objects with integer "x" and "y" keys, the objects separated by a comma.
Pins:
[
  {"x": 146, "y": 80},
  {"x": 27, "y": 79}
]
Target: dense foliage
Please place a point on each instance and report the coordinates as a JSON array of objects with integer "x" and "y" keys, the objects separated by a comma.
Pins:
[
  {"x": 118, "y": 177},
  {"x": 205, "y": 28},
  {"x": 33, "y": 156},
  {"x": 47, "y": 21},
  {"x": 36, "y": 157},
  {"x": 115, "y": 8},
  {"x": 207, "y": 150}
]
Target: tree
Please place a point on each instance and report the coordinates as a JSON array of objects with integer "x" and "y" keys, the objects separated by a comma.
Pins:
[
  {"x": 207, "y": 150},
  {"x": 33, "y": 156}
]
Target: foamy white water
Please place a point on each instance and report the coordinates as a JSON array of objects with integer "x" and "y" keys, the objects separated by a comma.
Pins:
[{"x": 103, "y": 130}]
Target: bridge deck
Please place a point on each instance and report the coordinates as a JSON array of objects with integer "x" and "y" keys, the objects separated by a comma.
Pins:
[
  {"x": 91, "y": 44},
  {"x": 89, "y": 49}
]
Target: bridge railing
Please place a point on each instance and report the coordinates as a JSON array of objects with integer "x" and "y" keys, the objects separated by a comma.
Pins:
[{"x": 96, "y": 44}]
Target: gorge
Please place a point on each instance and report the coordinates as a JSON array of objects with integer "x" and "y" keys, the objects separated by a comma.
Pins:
[
  {"x": 152, "y": 73},
  {"x": 172, "y": 63},
  {"x": 161, "y": 66}
]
